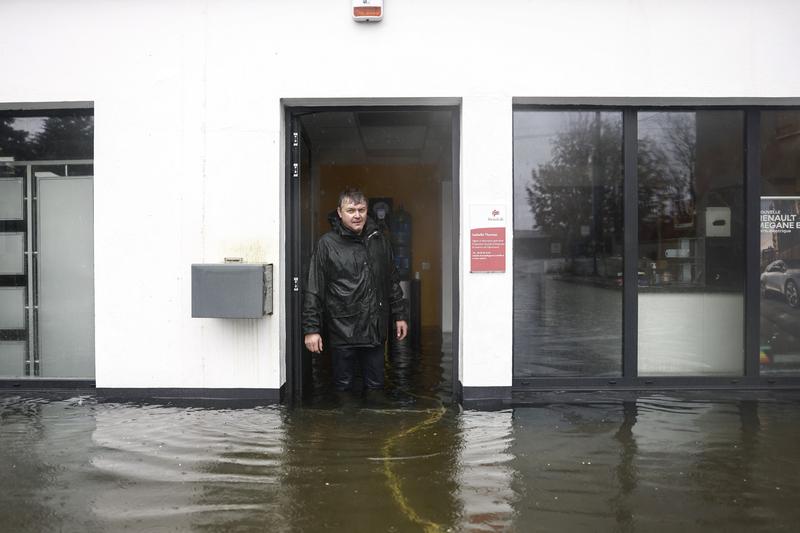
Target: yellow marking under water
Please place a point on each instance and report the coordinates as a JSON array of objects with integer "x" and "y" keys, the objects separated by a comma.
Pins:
[{"x": 393, "y": 480}]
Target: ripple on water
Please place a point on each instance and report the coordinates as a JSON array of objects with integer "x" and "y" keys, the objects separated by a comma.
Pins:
[
  {"x": 188, "y": 467},
  {"x": 657, "y": 463},
  {"x": 485, "y": 482},
  {"x": 198, "y": 445}
]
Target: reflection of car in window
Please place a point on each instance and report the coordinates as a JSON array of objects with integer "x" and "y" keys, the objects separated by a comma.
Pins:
[{"x": 782, "y": 277}]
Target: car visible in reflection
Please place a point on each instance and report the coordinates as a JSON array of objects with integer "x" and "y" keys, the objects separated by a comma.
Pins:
[{"x": 782, "y": 277}]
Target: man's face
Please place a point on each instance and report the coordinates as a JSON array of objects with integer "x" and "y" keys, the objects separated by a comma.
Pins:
[{"x": 353, "y": 215}]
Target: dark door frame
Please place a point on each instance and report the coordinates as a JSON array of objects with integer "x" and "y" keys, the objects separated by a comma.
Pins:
[{"x": 292, "y": 392}]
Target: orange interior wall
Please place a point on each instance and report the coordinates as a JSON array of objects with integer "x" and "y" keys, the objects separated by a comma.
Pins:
[{"x": 415, "y": 188}]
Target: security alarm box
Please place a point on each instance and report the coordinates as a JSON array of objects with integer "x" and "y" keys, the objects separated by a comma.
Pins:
[
  {"x": 367, "y": 10},
  {"x": 231, "y": 290}
]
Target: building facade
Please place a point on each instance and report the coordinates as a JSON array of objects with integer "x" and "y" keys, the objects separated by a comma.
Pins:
[{"x": 600, "y": 195}]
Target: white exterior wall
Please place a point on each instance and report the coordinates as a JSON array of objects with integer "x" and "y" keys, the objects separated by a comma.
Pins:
[{"x": 189, "y": 139}]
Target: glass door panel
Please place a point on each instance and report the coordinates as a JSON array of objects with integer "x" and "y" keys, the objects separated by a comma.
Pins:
[
  {"x": 11, "y": 198},
  {"x": 568, "y": 243},
  {"x": 780, "y": 243},
  {"x": 12, "y": 254},
  {"x": 46, "y": 244},
  {"x": 14, "y": 307},
  {"x": 12, "y": 358},
  {"x": 691, "y": 243},
  {"x": 65, "y": 265}
]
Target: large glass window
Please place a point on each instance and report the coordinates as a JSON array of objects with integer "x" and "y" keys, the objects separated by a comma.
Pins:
[
  {"x": 780, "y": 242},
  {"x": 691, "y": 243},
  {"x": 687, "y": 246},
  {"x": 46, "y": 245},
  {"x": 568, "y": 243}
]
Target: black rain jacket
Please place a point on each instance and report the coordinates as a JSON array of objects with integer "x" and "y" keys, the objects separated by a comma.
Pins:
[{"x": 353, "y": 288}]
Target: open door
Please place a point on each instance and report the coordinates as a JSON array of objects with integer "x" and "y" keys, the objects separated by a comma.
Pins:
[
  {"x": 300, "y": 246},
  {"x": 405, "y": 159}
]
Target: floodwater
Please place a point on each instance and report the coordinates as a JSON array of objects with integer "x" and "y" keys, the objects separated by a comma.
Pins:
[{"x": 591, "y": 462}]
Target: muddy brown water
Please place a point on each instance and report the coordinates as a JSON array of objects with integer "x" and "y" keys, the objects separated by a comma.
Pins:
[
  {"x": 411, "y": 462},
  {"x": 658, "y": 463}
]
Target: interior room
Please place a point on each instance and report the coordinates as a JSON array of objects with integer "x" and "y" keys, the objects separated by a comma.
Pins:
[{"x": 402, "y": 160}]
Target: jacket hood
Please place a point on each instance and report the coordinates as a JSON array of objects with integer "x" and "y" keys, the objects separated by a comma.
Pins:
[{"x": 334, "y": 220}]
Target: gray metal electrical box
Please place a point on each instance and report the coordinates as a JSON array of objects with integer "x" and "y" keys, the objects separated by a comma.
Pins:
[{"x": 231, "y": 290}]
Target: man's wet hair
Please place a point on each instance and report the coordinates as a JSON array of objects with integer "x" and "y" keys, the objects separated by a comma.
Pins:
[{"x": 354, "y": 195}]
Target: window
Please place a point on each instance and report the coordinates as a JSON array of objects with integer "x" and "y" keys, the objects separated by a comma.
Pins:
[
  {"x": 691, "y": 243},
  {"x": 568, "y": 243},
  {"x": 635, "y": 248},
  {"x": 46, "y": 244},
  {"x": 780, "y": 243}
]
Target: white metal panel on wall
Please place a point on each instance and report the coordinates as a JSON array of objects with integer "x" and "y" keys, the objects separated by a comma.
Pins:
[
  {"x": 189, "y": 140},
  {"x": 11, "y": 203}
]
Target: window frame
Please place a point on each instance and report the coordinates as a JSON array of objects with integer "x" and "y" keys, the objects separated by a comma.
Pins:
[
  {"x": 630, "y": 378},
  {"x": 32, "y": 377}
]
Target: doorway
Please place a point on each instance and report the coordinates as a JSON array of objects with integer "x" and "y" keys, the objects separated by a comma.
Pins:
[{"x": 405, "y": 159}]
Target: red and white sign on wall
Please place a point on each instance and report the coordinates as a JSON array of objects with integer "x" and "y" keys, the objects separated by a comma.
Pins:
[{"x": 487, "y": 238}]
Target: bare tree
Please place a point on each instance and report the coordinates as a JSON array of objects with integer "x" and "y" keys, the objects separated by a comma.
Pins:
[{"x": 581, "y": 185}]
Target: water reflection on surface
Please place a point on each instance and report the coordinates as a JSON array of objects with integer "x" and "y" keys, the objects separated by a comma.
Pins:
[
  {"x": 563, "y": 327},
  {"x": 227, "y": 459},
  {"x": 652, "y": 463}
]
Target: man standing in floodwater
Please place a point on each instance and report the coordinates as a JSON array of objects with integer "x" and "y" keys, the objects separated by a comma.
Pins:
[{"x": 353, "y": 294}]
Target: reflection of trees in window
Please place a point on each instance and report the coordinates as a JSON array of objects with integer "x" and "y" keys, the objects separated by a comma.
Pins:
[
  {"x": 580, "y": 188},
  {"x": 667, "y": 156},
  {"x": 68, "y": 137},
  {"x": 780, "y": 153},
  {"x": 13, "y": 142},
  {"x": 61, "y": 137}
]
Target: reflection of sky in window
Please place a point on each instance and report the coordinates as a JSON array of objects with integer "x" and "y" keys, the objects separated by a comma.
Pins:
[
  {"x": 534, "y": 135},
  {"x": 656, "y": 127},
  {"x": 32, "y": 125},
  {"x": 651, "y": 125}
]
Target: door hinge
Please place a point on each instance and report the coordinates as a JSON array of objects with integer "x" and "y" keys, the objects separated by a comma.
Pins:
[
  {"x": 295, "y": 154},
  {"x": 296, "y": 284}
]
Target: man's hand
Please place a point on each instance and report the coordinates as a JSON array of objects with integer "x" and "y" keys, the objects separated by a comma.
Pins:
[
  {"x": 402, "y": 329},
  {"x": 313, "y": 342}
]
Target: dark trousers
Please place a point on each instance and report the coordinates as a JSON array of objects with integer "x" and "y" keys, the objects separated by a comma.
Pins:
[{"x": 369, "y": 359}]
